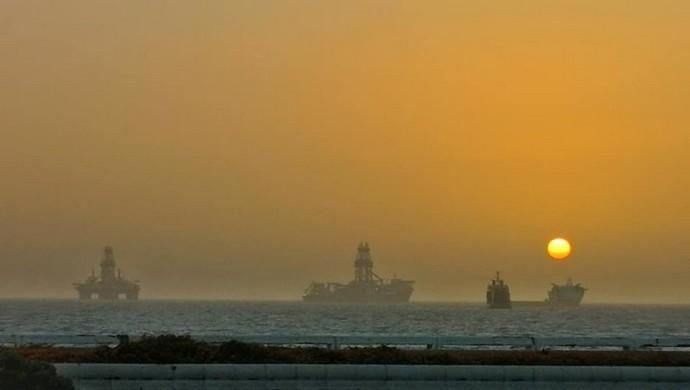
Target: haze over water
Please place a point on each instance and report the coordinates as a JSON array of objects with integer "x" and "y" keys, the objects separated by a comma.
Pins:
[{"x": 241, "y": 149}]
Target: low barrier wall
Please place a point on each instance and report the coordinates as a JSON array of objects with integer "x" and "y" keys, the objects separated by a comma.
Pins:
[
  {"x": 207, "y": 376},
  {"x": 335, "y": 342}
]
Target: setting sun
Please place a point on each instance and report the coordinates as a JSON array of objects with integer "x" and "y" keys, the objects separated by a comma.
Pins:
[{"x": 558, "y": 248}]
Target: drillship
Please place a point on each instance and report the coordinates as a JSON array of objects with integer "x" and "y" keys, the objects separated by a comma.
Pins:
[
  {"x": 109, "y": 286},
  {"x": 367, "y": 287},
  {"x": 498, "y": 294},
  {"x": 568, "y": 294}
]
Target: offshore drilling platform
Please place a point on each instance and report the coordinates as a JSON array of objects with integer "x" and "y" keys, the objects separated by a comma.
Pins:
[
  {"x": 110, "y": 285},
  {"x": 367, "y": 287}
]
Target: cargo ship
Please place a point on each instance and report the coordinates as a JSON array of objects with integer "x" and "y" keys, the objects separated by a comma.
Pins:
[
  {"x": 367, "y": 287},
  {"x": 498, "y": 294},
  {"x": 568, "y": 295}
]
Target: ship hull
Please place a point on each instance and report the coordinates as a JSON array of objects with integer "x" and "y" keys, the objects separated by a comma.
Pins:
[
  {"x": 353, "y": 295},
  {"x": 544, "y": 304},
  {"x": 564, "y": 303},
  {"x": 355, "y": 299},
  {"x": 568, "y": 295}
]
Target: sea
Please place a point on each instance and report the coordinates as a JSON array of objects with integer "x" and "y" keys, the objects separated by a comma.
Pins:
[{"x": 72, "y": 317}]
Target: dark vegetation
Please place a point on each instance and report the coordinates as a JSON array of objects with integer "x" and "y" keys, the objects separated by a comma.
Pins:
[
  {"x": 18, "y": 373},
  {"x": 171, "y": 349}
]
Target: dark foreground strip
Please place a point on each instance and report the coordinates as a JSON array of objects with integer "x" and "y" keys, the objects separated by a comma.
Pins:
[{"x": 356, "y": 372}]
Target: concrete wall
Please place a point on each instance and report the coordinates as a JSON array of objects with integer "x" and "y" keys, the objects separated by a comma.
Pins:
[
  {"x": 343, "y": 376},
  {"x": 441, "y": 342}
]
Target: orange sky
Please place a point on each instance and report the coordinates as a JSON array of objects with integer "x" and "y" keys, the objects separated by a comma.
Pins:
[{"x": 241, "y": 149}]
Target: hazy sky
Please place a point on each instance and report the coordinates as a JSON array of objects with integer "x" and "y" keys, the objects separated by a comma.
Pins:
[{"x": 242, "y": 149}]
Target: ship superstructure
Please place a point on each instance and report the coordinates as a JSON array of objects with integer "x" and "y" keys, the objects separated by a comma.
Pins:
[
  {"x": 367, "y": 287},
  {"x": 498, "y": 294},
  {"x": 110, "y": 285},
  {"x": 568, "y": 294}
]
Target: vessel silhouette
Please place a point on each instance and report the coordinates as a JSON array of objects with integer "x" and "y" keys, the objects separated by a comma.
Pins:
[{"x": 367, "y": 287}]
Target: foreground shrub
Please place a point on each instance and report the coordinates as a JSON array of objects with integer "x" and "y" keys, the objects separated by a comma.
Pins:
[
  {"x": 239, "y": 352},
  {"x": 17, "y": 373},
  {"x": 171, "y": 349},
  {"x": 166, "y": 349}
]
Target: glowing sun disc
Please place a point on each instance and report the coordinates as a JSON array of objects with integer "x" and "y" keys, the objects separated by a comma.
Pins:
[{"x": 558, "y": 248}]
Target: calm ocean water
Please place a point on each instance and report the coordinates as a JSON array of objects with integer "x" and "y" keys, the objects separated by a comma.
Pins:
[{"x": 296, "y": 318}]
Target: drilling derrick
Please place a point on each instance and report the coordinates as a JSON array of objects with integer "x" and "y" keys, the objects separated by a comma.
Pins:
[
  {"x": 364, "y": 266},
  {"x": 108, "y": 265}
]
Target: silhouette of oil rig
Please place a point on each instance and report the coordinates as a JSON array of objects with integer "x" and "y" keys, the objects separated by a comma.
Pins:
[
  {"x": 110, "y": 285},
  {"x": 367, "y": 287}
]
